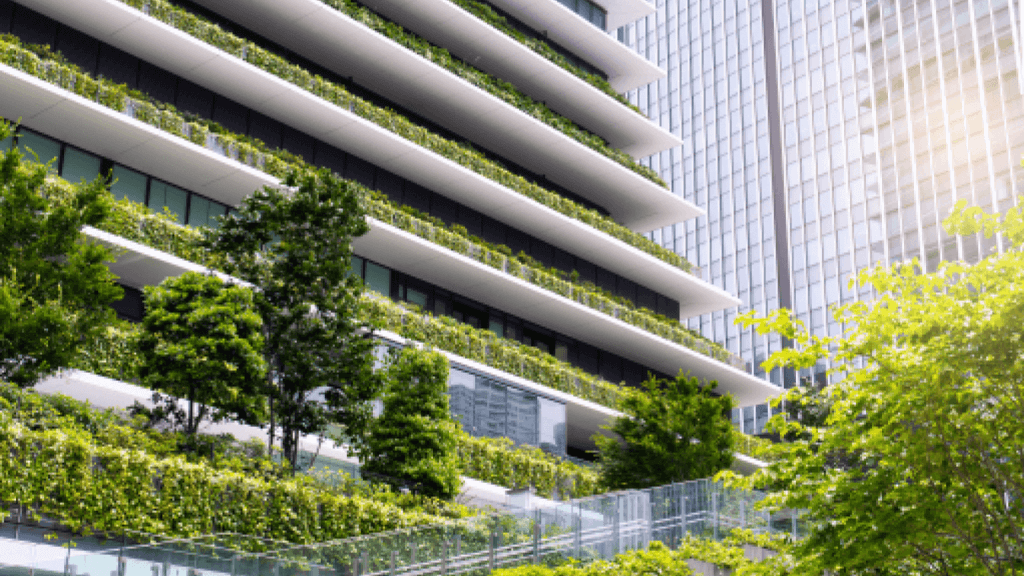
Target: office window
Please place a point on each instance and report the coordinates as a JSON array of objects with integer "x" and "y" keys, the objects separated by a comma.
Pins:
[
  {"x": 128, "y": 184},
  {"x": 79, "y": 166}
]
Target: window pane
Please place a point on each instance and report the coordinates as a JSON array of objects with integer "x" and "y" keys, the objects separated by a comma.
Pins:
[
  {"x": 522, "y": 418},
  {"x": 128, "y": 184},
  {"x": 489, "y": 409},
  {"x": 357, "y": 266},
  {"x": 164, "y": 195},
  {"x": 79, "y": 166},
  {"x": 198, "y": 211},
  {"x": 461, "y": 390},
  {"x": 552, "y": 426},
  {"x": 33, "y": 145},
  {"x": 5, "y": 144},
  {"x": 378, "y": 279}
]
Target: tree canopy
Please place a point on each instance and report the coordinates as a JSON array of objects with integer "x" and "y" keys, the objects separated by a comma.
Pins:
[
  {"x": 919, "y": 466},
  {"x": 55, "y": 287},
  {"x": 294, "y": 245},
  {"x": 415, "y": 438},
  {"x": 203, "y": 341},
  {"x": 673, "y": 430}
]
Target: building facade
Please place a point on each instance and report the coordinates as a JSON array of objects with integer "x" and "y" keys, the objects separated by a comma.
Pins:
[
  {"x": 843, "y": 130},
  {"x": 506, "y": 204}
]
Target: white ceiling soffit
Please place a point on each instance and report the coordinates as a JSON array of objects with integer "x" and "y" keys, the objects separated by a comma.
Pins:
[
  {"x": 415, "y": 256},
  {"x": 138, "y": 265},
  {"x": 473, "y": 40},
  {"x": 93, "y": 127},
  {"x": 625, "y": 68},
  {"x": 335, "y": 41},
  {"x": 97, "y": 129},
  {"x": 631, "y": 199}
]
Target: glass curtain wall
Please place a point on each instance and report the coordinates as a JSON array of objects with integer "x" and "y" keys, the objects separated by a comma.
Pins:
[
  {"x": 716, "y": 99},
  {"x": 893, "y": 111}
]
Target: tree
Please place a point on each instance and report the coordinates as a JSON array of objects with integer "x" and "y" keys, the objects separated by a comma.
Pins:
[
  {"x": 919, "y": 466},
  {"x": 672, "y": 431},
  {"x": 55, "y": 287},
  {"x": 203, "y": 341},
  {"x": 415, "y": 438},
  {"x": 293, "y": 244}
]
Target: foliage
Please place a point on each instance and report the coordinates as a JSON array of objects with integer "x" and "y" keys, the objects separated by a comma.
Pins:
[
  {"x": 672, "y": 431},
  {"x": 501, "y": 89},
  {"x": 202, "y": 341},
  {"x": 36, "y": 60},
  {"x": 415, "y": 438},
  {"x": 111, "y": 488},
  {"x": 294, "y": 247},
  {"x": 657, "y": 560},
  {"x": 115, "y": 429},
  {"x": 717, "y": 553},
  {"x": 55, "y": 287},
  {"x": 553, "y": 280},
  {"x": 249, "y": 51},
  {"x": 486, "y": 13},
  {"x": 113, "y": 353},
  {"x": 497, "y": 461},
  {"x": 917, "y": 467}
]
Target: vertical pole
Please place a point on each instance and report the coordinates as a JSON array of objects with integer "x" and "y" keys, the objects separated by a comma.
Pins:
[
  {"x": 686, "y": 519},
  {"x": 355, "y": 565},
  {"x": 490, "y": 554},
  {"x": 714, "y": 512},
  {"x": 578, "y": 529},
  {"x": 616, "y": 511},
  {"x": 366, "y": 561},
  {"x": 743, "y": 514},
  {"x": 392, "y": 566},
  {"x": 458, "y": 544},
  {"x": 444, "y": 557},
  {"x": 793, "y": 516},
  {"x": 536, "y": 541}
]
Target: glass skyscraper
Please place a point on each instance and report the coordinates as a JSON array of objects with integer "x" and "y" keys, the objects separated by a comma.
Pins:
[{"x": 823, "y": 137}]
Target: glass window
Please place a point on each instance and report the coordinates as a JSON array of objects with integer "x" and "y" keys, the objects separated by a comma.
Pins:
[
  {"x": 5, "y": 144},
  {"x": 489, "y": 409},
  {"x": 378, "y": 278},
  {"x": 199, "y": 211},
  {"x": 522, "y": 417},
  {"x": 36, "y": 146},
  {"x": 552, "y": 426},
  {"x": 128, "y": 184},
  {"x": 79, "y": 166},
  {"x": 416, "y": 297},
  {"x": 461, "y": 397},
  {"x": 166, "y": 196}
]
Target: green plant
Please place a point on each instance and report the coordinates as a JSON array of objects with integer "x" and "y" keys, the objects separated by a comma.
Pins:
[
  {"x": 55, "y": 288},
  {"x": 495, "y": 86},
  {"x": 107, "y": 488},
  {"x": 294, "y": 245},
  {"x": 335, "y": 93},
  {"x": 203, "y": 341},
  {"x": 414, "y": 439},
  {"x": 540, "y": 46},
  {"x": 718, "y": 553},
  {"x": 497, "y": 461},
  {"x": 916, "y": 467},
  {"x": 112, "y": 353},
  {"x": 277, "y": 163},
  {"x": 672, "y": 431}
]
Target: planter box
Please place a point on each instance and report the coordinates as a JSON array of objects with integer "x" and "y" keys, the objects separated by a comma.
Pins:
[
  {"x": 707, "y": 568},
  {"x": 756, "y": 553}
]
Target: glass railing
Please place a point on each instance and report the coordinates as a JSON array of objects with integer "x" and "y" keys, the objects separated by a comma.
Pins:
[{"x": 584, "y": 530}]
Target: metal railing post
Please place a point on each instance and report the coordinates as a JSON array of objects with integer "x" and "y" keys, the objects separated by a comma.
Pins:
[
  {"x": 615, "y": 526},
  {"x": 714, "y": 512},
  {"x": 393, "y": 565},
  {"x": 536, "y": 537}
]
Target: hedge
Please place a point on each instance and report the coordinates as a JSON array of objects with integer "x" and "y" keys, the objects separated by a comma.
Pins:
[
  {"x": 245, "y": 49},
  {"x": 48, "y": 66}
]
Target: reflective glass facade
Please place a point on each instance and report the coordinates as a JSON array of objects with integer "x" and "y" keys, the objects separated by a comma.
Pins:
[
  {"x": 716, "y": 99},
  {"x": 490, "y": 407},
  {"x": 824, "y": 136}
]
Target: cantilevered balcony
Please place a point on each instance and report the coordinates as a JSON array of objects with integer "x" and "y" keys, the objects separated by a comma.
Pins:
[
  {"x": 631, "y": 199},
  {"x": 93, "y": 127},
  {"x": 333, "y": 40},
  {"x": 590, "y": 43}
]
